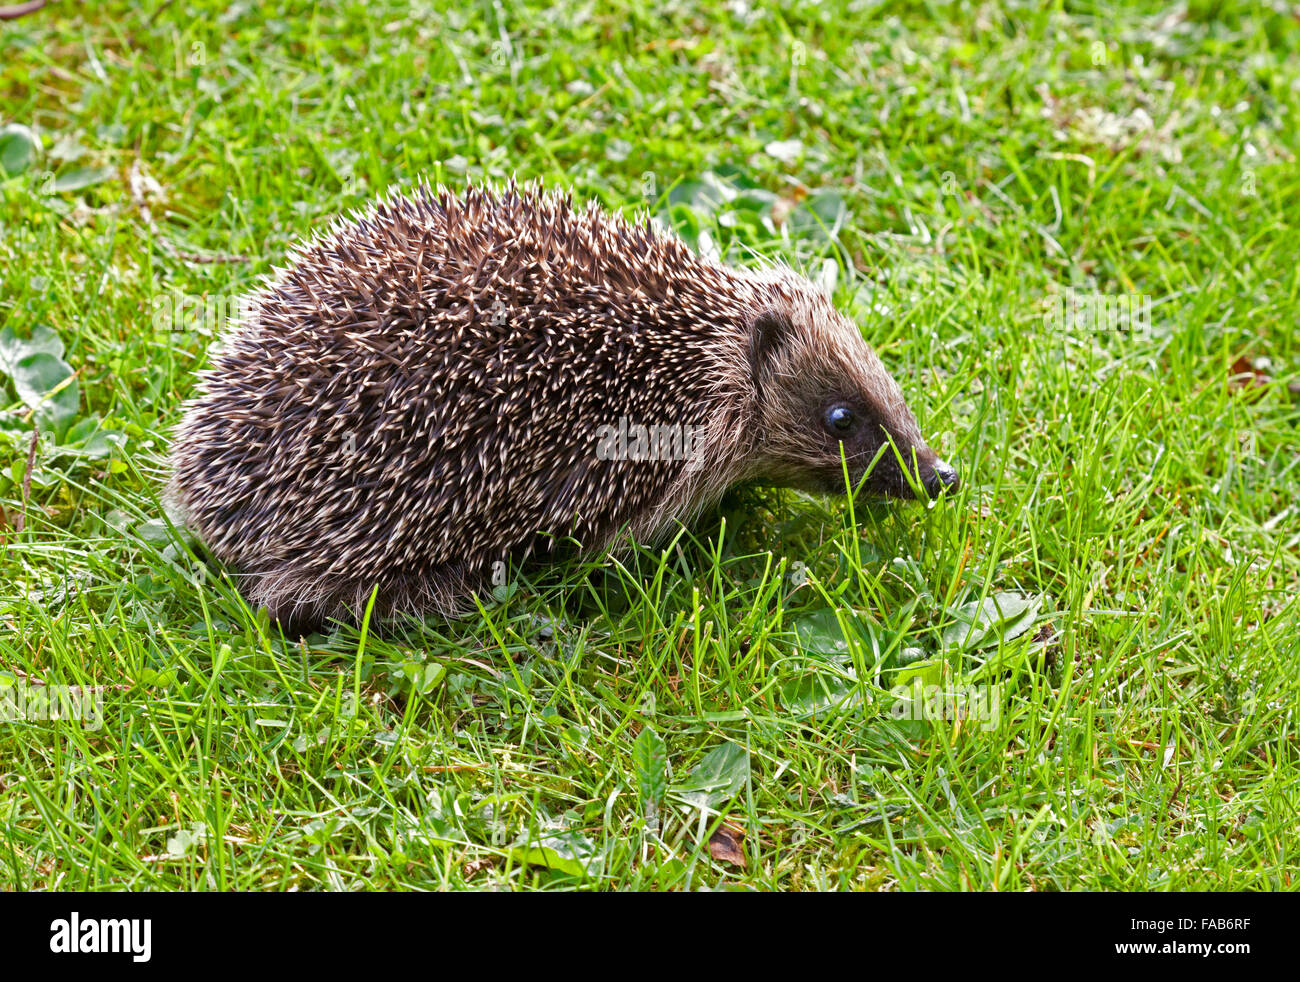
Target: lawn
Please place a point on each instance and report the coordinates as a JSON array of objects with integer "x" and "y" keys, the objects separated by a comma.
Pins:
[{"x": 1113, "y": 591}]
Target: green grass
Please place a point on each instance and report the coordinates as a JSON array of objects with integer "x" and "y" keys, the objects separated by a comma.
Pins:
[{"x": 954, "y": 168}]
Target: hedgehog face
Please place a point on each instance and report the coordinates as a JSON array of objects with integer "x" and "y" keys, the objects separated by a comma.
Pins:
[{"x": 825, "y": 400}]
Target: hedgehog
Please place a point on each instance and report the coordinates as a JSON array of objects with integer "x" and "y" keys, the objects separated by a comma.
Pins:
[{"x": 450, "y": 385}]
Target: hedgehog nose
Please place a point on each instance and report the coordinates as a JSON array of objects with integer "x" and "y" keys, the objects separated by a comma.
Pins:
[{"x": 942, "y": 479}]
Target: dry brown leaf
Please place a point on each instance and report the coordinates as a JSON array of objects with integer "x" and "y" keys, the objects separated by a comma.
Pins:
[{"x": 724, "y": 846}]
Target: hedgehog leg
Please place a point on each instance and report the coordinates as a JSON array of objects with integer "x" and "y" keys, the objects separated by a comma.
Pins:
[
  {"x": 444, "y": 591},
  {"x": 295, "y": 621},
  {"x": 296, "y": 605},
  {"x": 300, "y": 608}
]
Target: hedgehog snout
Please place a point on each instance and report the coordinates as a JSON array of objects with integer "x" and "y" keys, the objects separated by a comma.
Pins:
[{"x": 939, "y": 477}]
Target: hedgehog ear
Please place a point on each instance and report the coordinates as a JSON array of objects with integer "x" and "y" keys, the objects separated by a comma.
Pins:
[{"x": 768, "y": 334}]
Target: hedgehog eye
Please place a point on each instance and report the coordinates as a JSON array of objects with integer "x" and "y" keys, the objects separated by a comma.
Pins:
[{"x": 839, "y": 420}]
